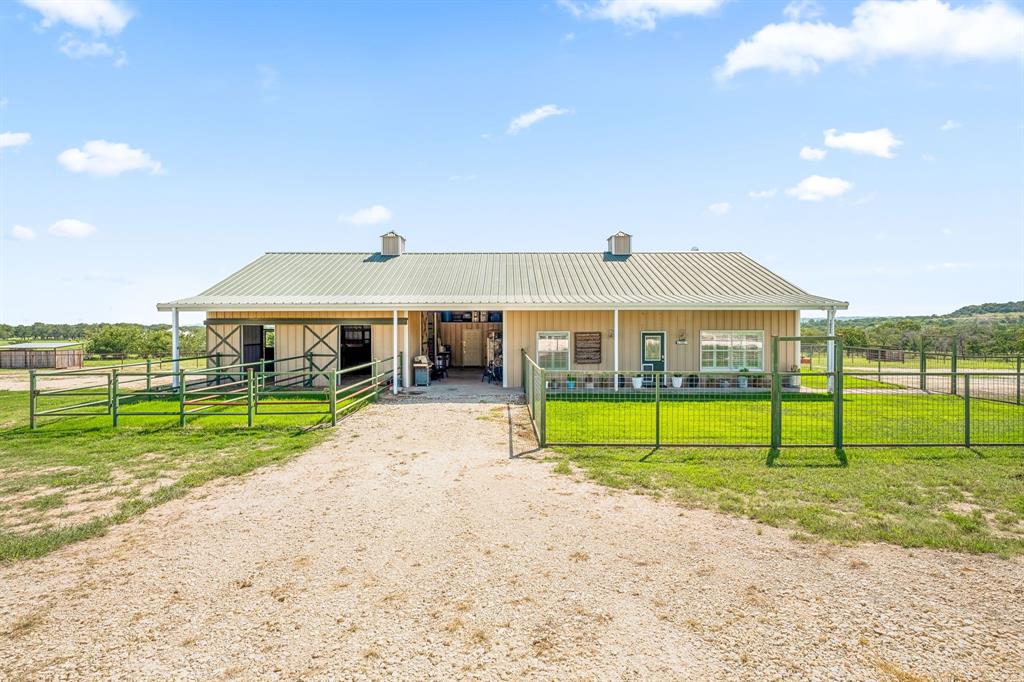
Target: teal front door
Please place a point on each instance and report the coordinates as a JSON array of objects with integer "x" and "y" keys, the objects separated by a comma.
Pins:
[{"x": 652, "y": 351}]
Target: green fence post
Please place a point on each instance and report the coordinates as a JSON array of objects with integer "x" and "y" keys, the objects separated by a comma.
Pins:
[
  {"x": 333, "y": 398},
  {"x": 110, "y": 391},
  {"x": 181, "y": 397},
  {"x": 924, "y": 368},
  {"x": 837, "y": 402},
  {"x": 657, "y": 410},
  {"x": 376, "y": 380},
  {"x": 543, "y": 409},
  {"x": 149, "y": 377},
  {"x": 952, "y": 368},
  {"x": 113, "y": 396},
  {"x": 1018, "y": 380},
  {"x": 32, "y": 399},
  {"x": 249, "y": 396},
  {"x": 967, "y": 410},
  {"x": 776, "y": 414}
]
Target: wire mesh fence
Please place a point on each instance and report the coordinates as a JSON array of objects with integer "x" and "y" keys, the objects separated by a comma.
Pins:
[{"x": 835, "y": 406}]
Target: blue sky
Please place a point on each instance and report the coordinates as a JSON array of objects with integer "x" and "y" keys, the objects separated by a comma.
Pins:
[{"x": 170, "y": 143}]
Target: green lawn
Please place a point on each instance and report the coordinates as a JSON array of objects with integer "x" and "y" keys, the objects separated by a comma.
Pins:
[
  {"x": 948, "y": 498},
  {"x": 73, "y": 478},
  {"x": 744, "y": 418}
]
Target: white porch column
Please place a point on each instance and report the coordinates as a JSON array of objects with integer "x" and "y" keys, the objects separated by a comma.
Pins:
[
  {"x": 396, "y": 370},
  {"x": 504, "y": 355},
  {"x": 615, "y": 344},
  {"x": 175, "y": 345},
  {"x": 830, "y": 360},
  {"x": 406, "y": 360}
]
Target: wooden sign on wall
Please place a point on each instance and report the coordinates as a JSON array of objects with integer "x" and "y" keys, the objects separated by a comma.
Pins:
[{"x": 588, "y": 348}]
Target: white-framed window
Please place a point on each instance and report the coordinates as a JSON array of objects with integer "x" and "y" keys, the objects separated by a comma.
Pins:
[
  {"x": 731, "y": 350},
  {"x": 553, "y": 350}
]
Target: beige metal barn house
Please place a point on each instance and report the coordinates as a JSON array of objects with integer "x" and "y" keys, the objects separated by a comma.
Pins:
[{"x": 616, "y": 310}]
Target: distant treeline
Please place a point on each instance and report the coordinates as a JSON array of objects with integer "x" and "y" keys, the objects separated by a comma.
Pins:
[
  {"x": 125, "y": 339},
  {"x": 1003, "y": 335},
  {"x": 1009, "y": 307}
]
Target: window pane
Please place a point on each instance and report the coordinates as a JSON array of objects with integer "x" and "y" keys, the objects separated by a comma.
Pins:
[{"x": 553, "y": 350}]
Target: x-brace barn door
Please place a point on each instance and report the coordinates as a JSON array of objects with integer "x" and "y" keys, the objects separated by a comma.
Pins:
[
  {"x": 320, "y": 344},
  {"x": 224, "y": 343}
]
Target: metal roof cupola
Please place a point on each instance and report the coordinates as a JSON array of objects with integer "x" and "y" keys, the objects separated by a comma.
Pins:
[
  {"x": 392, "y": 244},
  {"x": 620, "y": 244}
]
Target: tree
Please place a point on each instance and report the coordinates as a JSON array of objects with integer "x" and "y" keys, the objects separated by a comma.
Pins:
[{"x": 114, "y": 339}]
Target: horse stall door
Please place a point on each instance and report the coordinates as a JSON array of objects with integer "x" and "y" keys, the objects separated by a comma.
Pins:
[{"x": 320, "y": 344}]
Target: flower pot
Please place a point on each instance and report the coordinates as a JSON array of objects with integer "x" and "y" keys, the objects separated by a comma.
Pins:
[
  {"x": 638, "y": 382},
  {"x": 588, "y": 385},
  {"x": 677, "y": 382},
  {"x": 742, "y": 382},
  {"x": 570, "y": 384}
]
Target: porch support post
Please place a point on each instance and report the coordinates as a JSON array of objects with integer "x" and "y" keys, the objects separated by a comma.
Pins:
[
  {"x": 830, "y": 359},
  {"x": 175, "y": 333},
  {"x": 504, "y": 355},
  {"x": 615, "y": 345},
  {"x": 406, "y": 359},
  {"x": 395, "y": 369}
]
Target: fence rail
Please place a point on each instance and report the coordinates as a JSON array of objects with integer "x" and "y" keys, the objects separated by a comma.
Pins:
[
  {"x": 248, "y": 390},
  {"x": 838, "y": 407}
]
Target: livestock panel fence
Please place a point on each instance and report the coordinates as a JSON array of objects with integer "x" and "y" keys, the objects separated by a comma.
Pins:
[
  {"x": 828, "y": 405},
  {"x": 203, "y": 387}
]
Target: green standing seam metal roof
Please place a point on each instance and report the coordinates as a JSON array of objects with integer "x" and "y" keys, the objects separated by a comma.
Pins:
[
  {"x": 41, "y": 345},
  {"x": 687, "y": 279}
]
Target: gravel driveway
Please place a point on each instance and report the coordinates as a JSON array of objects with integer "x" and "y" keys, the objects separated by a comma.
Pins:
[{"x": 411, "y": 546}]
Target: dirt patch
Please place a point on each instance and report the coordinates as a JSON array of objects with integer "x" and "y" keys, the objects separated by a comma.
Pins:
[{"x": 422, "y": 550}]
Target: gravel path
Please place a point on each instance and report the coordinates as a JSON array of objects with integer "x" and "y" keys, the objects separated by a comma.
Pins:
[{"x": 410, "y": 546}]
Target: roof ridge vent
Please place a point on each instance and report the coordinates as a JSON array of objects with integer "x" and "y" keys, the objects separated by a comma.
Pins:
[
  {"x": 392, "y": 244},
  {"x": 620, "y": 244}
]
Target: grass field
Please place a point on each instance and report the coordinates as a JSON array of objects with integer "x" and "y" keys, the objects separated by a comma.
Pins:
[
  {"x": 912, "y": 362},
  {"x": 744, "y": 419},
  {"x": 947, "y": 498},
  {"x": 74, "y": 478}
]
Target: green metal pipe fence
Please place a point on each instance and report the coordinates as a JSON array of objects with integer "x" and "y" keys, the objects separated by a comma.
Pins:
[
  {"x": 835, "y": 408},
  {"x": 246, "y": 390}
]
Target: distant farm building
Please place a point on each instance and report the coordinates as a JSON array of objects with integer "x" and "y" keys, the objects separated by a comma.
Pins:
[{"x": 39, "y": 355}]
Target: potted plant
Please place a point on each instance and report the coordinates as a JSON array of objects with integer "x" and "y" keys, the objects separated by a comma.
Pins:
[
  {"x": 794, "y": 380},
  {"x": 742, "y": 381},
  {"x": 692, "y": 381},
  {"x": 638, "y": 381},
  {"x": 570, "y": 382},
  {"x": 677, "y": 380},
  {"x": 588, "y": 382},
  {"x": 723, "y": 382}
]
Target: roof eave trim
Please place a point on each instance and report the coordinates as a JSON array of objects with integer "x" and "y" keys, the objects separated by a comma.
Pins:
[{"x": 491, "y": 305}]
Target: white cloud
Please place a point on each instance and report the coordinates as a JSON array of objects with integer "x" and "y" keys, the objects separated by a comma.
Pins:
[
  {"x": 948, "y": 265},
  {"x": 269, "y": 77},
  {"x": 762, "y": 193},
  {"x": 23, "y": 233},
  {"x": 927, "y": 157},
  {"x": 14, "y": 139},
  {"x": 721, "y": 207},
  {"x": 3, "y": 103},
  {"x": 569, "y": 37},
  {"x": 950, "y": 125},
  {"x": 77, "y": 49},
  {"x": 374, "y": 215},
  {"x": 817, "y": 188},
  {"x": 882, "y": 30},
  {"x": 70, "y": 227},
  {"x": 642, "y": 14},
  {"x": 947, "y": 231},
  {"x": 524, "y": 121},
  {"x": 812, "y": 154},
  {"x": 99, "y": 157},
  {"x": 875, "y": 142},
  {"x": 799, "y": 10},
  {"x": 98, "y": 16}
]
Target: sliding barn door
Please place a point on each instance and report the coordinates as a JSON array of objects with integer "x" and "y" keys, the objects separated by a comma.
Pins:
[
  {"x": 224, "y": 344},
  {"x": 320, "y": 344}
]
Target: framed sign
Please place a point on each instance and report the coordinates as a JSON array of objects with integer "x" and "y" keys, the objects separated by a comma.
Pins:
[{"x": 587, "y": 348}]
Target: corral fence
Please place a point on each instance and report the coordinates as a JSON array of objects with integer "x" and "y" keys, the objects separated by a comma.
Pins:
[
  {"x": 827, "y": 406},
  {"x": 203, "y": 387}
]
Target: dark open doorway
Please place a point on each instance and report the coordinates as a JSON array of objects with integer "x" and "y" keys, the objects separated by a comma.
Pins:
[{"x": 355, "y": 347}]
